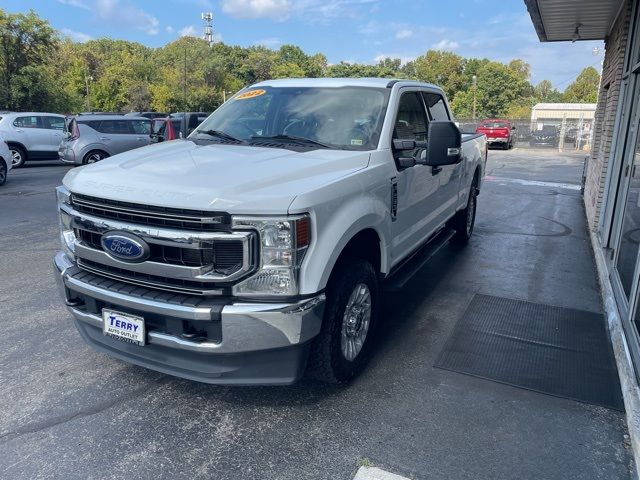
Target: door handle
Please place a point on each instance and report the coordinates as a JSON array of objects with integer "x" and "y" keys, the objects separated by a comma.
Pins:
[
  {"x": 435, "y": 170},
  {"x": 18, "y": 130},
  {"x": 141, "y": 139},
  {"x": 104, "y": 138}
]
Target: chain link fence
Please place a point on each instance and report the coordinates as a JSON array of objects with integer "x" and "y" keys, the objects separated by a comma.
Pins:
[{"x": 563, "y": 133}]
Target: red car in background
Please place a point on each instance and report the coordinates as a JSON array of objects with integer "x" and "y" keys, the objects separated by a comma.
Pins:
[
  {"x": 164, "y": 129},
  {"x": 498, "y": 132}
]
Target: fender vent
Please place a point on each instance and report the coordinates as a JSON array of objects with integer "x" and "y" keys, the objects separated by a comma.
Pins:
[{"x": 394, "y": 199}]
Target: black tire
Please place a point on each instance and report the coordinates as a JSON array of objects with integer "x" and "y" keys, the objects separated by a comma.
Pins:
[
  {"x": 18, "y": 156},
  {"x": 94, "y": 156},
  {"x": 327, "y": 360},
  {"x": 3, "y": 172},
  {"x": 464, "y": 221}
]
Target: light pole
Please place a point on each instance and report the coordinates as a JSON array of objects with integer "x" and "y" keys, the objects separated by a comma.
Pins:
[
  {"x": 87, "y": 79},
  {"x": 475, "y": 81}
]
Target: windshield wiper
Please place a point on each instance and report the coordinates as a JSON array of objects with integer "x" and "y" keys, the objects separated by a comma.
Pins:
[
  {"x": 221, "y": 134},
  {"x": 293, "y": 139}
]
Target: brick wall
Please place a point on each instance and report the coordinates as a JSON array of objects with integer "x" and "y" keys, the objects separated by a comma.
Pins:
[{"x": 603, "y": 137}]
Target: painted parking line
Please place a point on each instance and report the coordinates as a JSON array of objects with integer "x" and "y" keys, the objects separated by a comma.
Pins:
[
  {"x": 374, "y": 473},
  {"x": 533, "y": 183}
]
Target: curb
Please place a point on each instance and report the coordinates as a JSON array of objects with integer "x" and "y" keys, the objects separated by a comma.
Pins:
[{"x": 628, "y": 383}]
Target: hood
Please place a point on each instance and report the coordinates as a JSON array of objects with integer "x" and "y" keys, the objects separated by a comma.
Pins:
[{"x": 231, "y": 178}]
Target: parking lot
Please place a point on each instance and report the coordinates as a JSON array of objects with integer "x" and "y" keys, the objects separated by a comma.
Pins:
[{"x": 70, "y": 412}]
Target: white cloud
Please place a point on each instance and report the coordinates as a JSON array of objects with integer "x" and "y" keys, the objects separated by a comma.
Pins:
[
  {"x": 404, "y": 33},
  {"x": 75, "y": 3},
  {"x": 269, "y": 42},
  {"x": 188, "y": 31},
  {"x": 445, "y": 44},
  {"x": 76, "y": 36},
  {"x": 127, "y": 14},
  {"x": 274, "y": 9},
  {"x": 169, "y": 29}
]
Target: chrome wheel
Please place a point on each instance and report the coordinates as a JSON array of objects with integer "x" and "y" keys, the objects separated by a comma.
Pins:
[
  {"x": 16, "y": 158},
  {"x": 356, "y": 321}
]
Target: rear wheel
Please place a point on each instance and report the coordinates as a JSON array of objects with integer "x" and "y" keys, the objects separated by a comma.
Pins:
[
  {"x": 3, "y": 172},
  {"x": 18, "y": 156},
  {"x": 464, "y": 221},
  {"x": 342, "y": 348},
  {"x": 93, "y": 157}
]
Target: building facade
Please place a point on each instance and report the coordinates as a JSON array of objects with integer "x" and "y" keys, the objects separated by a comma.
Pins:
[{"x": 612, "y": 185}]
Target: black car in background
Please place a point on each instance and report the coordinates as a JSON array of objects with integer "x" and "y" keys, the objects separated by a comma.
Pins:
[{"x": 547, "y": 137}]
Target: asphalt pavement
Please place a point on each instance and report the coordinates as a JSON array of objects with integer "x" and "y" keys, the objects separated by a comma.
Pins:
[{"x": 69, "y": 412}]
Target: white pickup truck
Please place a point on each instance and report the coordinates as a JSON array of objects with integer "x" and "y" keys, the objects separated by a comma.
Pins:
[{"x": 257, "y": 248}]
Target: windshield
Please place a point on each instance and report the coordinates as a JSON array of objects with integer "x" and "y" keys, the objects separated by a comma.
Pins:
[
  {"x": 494, "y": 125},
  {"x": 348, "y": 118}
]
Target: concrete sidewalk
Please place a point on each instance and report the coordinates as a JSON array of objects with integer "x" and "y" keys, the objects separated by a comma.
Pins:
[{"x": 69, "y": 412}]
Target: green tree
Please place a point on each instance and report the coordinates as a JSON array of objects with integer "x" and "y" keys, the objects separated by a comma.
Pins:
[
  {"x": 545, "y": 93},
  {"x": 27, "y": 45},
  {"x": 585, "y": 87},
  {"x": 445, "y": 69}
]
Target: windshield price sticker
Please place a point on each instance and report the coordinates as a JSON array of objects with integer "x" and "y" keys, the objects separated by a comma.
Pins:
[{"x": 250, "y": 94}]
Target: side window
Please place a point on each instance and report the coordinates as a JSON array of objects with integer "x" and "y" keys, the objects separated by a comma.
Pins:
[
  {"x": 27, "y": 122},
  {"x": 437, "y": 108},
  {"x": 118, "y": 127},
  {"x": 141, "y": 127},
  {"x": 54, "y": 123},
  {"x": 411, "y": 122}
]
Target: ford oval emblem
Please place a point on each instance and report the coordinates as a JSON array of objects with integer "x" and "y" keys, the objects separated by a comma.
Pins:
[{"x": 125, "y": 247}]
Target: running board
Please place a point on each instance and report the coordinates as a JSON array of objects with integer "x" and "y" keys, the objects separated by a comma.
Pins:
[{"x": 401, "y": 275}]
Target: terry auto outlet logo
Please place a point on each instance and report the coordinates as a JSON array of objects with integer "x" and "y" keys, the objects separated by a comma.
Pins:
[{"x": 125, "y": 247}]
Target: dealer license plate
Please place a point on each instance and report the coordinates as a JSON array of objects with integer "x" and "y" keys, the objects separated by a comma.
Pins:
[{"x": 123, "y": 326}]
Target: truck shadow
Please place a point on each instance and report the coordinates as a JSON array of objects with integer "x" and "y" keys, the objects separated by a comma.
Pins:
[{"x": 396, "y": 322}]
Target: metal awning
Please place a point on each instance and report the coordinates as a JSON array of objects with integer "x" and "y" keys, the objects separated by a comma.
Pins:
[{"x": 562, "y": 20}]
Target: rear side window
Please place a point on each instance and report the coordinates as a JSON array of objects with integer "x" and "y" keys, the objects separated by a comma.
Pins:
[
  {"x": 141, "y": 127},
  {"x": 27, "y": 122},
  {"x": 437, "y": 108},
  {"x": 117, "y": 127},
  {"x": 54, "y": 123}
]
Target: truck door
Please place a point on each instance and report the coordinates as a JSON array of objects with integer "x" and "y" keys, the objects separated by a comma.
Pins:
[
  {"x": 449, "y": 178},
  {"x": 417, "y": 211}
]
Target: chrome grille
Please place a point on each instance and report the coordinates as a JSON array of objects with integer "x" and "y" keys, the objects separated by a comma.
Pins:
[
  {"x": 151, "y": 215},
  {"x": 181, "y": 260}
]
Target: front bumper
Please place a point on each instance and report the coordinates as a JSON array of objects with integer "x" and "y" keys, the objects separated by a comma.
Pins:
[{"x": 250, "y": 343}]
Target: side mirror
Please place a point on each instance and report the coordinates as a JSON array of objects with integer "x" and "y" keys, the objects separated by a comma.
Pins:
[{"x": 445, "y": 144}]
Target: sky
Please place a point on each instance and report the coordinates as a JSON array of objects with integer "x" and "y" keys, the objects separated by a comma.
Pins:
[{"x": 360, "y": 31}]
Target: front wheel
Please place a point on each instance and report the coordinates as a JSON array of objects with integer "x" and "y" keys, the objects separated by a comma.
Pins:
[
  {"x": 464, "y": 221},
  {"x": 93, "y": 157},
  {"x": 342, "y": 348}
]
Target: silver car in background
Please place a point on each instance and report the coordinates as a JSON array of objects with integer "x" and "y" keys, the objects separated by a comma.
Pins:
[
  {"x": 5, "y": 161},
  {"x": 90, "y": 138},
  {"x": 31, "y": 135}
]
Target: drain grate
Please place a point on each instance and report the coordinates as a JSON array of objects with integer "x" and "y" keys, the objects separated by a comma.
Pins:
[{"x": 552, "y": 350}]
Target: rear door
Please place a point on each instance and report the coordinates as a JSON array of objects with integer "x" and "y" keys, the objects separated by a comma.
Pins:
[
  {"x": 55, "y": 125},
  {"x": 418, "y": 211},
  {"x": 450, "y": 175},
  {"x": 116, "y": 135},
  {"x": 141, "y": 131}
]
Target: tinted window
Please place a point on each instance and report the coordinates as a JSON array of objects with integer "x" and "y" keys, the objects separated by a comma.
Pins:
[
  {"x": 54, "y": 123},
  {"x": 141, "y": 127},
  {"x": 27, "y": 122},
  {"x": 411, "y": 122},
  {"x": 437, "y": 108},
  {"x": 118, "y": 127},
  {"x": 495, "y": 125}
]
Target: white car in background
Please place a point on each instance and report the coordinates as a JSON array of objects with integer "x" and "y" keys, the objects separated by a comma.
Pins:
[{"x": 5, "y": 161}]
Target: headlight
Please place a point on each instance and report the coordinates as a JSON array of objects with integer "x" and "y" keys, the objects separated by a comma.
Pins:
[
  {"x": 67, "y": 236},
  {"x": 283, "y": 243}
]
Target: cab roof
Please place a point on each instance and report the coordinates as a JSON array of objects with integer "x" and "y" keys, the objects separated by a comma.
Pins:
[{"x": 341, "y": 82}]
